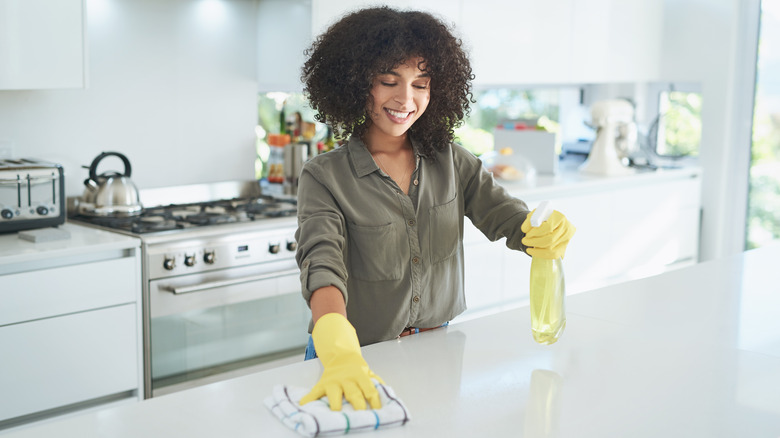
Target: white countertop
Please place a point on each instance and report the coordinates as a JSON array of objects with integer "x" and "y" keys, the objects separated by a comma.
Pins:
[
  {"x": 82, "y": 240},
  {"x": 691, "y": 353},
  {"x": 569, "y": 181}
]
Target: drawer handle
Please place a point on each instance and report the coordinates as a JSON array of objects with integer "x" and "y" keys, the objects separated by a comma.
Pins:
[{"x": 231, "y": 282}]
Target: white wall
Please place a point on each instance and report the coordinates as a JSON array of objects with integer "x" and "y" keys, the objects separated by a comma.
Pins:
[
  {"x": 713, "y": 42},
  {"x": 172, "y": 85}
]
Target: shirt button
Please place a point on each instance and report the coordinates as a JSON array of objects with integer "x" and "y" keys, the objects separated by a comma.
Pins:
[
  {"x": 416, "y": 299},
  {"x": 411, "y": 223},
  {"x": 415, "y": 260},
  {"x": 415, "y": 182}
]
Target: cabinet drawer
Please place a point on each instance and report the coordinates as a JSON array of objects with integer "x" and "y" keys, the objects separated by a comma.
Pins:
[
  {"x": 59, "y": 361},
  {"x": 50, "y": 292}
]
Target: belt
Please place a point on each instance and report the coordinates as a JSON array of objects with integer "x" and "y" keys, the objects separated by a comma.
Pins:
[{"x": 413, "y": 330}]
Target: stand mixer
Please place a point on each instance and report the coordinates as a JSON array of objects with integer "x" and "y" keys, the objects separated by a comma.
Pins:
[{"x": 616, "y": 137}]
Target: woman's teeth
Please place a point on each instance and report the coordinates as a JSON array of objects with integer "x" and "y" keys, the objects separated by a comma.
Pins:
[{"x": 398, "y": 114}]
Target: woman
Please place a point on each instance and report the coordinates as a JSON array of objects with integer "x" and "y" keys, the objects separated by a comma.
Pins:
[{"x": 380, "y": 219}]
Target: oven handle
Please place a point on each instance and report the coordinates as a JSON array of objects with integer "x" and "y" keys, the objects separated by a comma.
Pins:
[{"x": 231, "y": 282}]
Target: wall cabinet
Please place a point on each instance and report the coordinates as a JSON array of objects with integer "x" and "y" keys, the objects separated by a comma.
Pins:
[
  {"x": 533, "y": 42},
  {"x": 42, "y": 44},
  {"x": 70, "y": 323},
  {"x": 517, "y": 42},
  {"x": 624, "y": 232},
  {"x": 326, "y": 12},
  {"x": 616, "y": 41},
  {"x": 594, "y": 41}
]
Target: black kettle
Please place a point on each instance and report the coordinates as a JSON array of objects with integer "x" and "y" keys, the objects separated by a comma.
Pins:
[{"x": 110, "y": 193}]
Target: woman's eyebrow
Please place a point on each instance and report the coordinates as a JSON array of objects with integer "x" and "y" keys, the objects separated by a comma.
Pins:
[{"x": 396, "y": 74}]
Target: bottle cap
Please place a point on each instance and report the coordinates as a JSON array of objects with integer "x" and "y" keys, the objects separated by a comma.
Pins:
[{"x": 542, "y": 212}]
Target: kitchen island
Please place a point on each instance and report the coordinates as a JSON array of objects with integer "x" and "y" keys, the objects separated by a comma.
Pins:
[{"x": 692, "y": 352}]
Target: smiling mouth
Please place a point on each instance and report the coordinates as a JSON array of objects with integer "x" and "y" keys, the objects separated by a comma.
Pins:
[{"x": 398, "y": 116}]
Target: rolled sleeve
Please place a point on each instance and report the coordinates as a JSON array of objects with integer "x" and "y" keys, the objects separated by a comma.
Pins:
[{"x": 487, "y": 204}]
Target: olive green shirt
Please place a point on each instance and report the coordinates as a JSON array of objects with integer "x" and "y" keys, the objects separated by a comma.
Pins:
[{"x": 396, "y": 258}]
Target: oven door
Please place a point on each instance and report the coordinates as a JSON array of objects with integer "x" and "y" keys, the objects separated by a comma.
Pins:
[{"x": 224, "y": 323}]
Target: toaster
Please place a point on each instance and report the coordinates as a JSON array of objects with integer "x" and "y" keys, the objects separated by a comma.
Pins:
[{"x": 32, "y": 194}]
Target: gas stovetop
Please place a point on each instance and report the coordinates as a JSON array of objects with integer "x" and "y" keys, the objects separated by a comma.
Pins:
[
  {"x": 168, "y": 217},
  {"x": 176, "y": 217}
]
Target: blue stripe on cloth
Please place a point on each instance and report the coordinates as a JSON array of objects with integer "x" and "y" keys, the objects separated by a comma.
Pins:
[{"x": 377, "y": 420}]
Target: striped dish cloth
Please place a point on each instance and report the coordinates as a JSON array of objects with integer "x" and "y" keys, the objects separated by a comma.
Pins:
[{"x": 316, "y": 419}]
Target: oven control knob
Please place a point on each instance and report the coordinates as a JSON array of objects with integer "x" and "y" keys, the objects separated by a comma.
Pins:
[
  {"x": 274, "y": 248},
  {"x": 209, "y": 257},
  {"x": 7, "y": 214},
  {"x": 189, "y": 260},
  {"x": 169, "y": 264},
  {"x": 292, "y": 246},
  {"x": 42, "y": 210}
]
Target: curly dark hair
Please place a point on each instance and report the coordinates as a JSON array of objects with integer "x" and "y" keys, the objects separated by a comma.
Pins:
[{"x": 342, "y": 62}]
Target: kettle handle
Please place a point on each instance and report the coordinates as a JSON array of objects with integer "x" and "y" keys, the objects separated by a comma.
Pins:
[{"x": 93, "y": 167}]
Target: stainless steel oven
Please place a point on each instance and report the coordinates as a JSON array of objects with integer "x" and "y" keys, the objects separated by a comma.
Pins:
[{"x": 221, "y": 286}]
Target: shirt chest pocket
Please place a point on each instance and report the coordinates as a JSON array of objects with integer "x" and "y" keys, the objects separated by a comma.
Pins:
[
  {"x": 376, "y": 253},
  {"x": 444, "y": 230}
]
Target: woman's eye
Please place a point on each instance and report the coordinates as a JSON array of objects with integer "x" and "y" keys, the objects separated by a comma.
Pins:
[
  {"x": 421, "y": 87},
  {"x": 387, "y": 84}
]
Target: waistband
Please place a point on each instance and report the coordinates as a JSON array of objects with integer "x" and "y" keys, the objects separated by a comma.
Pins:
[{"x": 414, "y": 330}]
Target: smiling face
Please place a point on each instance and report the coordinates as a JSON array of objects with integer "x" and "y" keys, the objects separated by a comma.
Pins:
[{"x": 398, "y": 98}]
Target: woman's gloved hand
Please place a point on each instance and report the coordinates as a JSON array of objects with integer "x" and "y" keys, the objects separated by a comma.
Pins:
[
  {"x": 548, "y": 240},
  {"x": 345, "y": 371}
]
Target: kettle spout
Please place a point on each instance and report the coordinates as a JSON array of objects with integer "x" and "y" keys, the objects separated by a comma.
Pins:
[{"x": 91, "y": 185}]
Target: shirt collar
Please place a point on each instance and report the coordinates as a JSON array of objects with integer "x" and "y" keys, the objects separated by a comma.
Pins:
[
  {"x": 363, "y": 161},
  {"x": 361, "y": 157}
]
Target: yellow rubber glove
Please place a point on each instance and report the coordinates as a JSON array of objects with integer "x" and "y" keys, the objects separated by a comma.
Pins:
[
  {"x": 548, "y": 240},
  {"x": 345, "y": 371}
]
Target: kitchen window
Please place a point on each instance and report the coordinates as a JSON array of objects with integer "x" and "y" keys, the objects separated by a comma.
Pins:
[
  {"x": 496, "y": 105},
  {"x": 275, "y": 109},
  {"x": 675, "y": 132},
  {"x": 763, "y": 215},
  {"x": 678, "y": 128},
  {"x": 492, "y": 107}
]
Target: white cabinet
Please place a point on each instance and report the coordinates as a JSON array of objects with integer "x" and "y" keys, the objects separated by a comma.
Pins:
[
  {"x": 616, "y": 41},
  {"x": 41, "y": 44},
  {"x": 536, "y": 42},
  {"x": 287, "y": 27},
  {"x": 59, "y": 361},
  {"x": 483, "y": 264},
  {"x": 326, "y": 12},
  {"x": 515, "y": 42},
  {"x": 70, "y": 323},
  {"x": 631, "y": 228},
  {"x": 564, "y": 41},
  {"x": 631, "y": 232}
]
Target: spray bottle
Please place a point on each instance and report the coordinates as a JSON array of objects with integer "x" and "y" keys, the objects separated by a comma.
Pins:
[{"x": 548, "y": 316}]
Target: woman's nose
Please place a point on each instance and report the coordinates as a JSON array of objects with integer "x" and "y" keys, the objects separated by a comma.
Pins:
[{"x": 404, "y": 94}]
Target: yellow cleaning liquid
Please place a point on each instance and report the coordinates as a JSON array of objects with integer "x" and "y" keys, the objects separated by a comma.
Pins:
[
  {"x": 548, "y": 290},
  {"x": 548, "y": 316}
]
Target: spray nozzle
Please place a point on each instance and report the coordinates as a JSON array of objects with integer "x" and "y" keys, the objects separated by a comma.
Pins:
[{"x": 542, "y": 212}]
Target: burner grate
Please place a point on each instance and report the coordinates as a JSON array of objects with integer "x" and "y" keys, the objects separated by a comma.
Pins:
[{"x": 182, "y": 216}]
